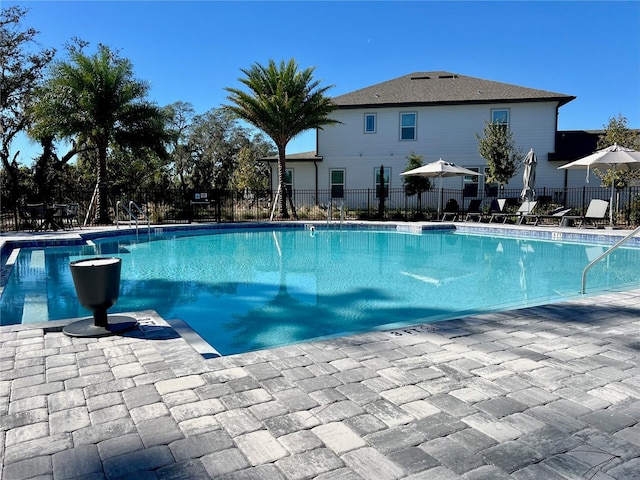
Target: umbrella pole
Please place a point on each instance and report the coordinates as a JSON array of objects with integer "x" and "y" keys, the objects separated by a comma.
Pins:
[
  {"x": 613, "y": 184},
  {"x": 440, "y": 198}
]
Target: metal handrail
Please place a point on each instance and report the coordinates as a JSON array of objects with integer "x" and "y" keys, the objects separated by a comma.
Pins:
[
  {"x": 132, "y": 216},
  {"x": 603, "y": 255},
  {"x": 118, "y": 205},
  {"x": 330, "y": 212},
  {"x": 134, "y": 204}
]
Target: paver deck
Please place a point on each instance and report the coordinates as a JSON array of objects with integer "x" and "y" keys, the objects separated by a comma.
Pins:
[{"x": 550, "y": 392}]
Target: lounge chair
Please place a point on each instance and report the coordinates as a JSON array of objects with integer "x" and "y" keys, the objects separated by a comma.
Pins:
[
  {"x": 525, "y": 209},
  {"x": 496, "y": 207},
  {"x": 451, "y": 211},
  {"x": 596, "y": 211},
  {"x": 557, "y": 214},
  {"x": 474, "y": 212}
]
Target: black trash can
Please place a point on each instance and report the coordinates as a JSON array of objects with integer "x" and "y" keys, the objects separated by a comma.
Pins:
[{"x": 97, "y": 283}]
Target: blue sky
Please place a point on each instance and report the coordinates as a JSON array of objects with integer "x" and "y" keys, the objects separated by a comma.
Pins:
[{"x": 191, "y": 51}]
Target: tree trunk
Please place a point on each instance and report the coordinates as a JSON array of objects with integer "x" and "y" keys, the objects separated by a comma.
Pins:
[
  {"x": 282, "y": 185},
  {"x": 11, "y": 168},
  {"x": 381, "y": 194},
  {"x": 102, "y": 197}
]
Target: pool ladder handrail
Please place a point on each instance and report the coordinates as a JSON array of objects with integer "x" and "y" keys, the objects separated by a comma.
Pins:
[
  {"x": 330, "y": 212},
  {"x": 132, "y": 215},
  {"x": 603, "y": 255}
]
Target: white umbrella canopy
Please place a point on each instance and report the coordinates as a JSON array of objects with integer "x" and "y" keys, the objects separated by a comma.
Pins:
[
  {"x": 529, "y": 176},
  {"x": 614, "y": 157},
  {"x": 440, "y": 169}
]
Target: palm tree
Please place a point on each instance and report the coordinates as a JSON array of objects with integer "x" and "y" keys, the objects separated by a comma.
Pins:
[
  {"x": 94, "y": 102},
  {"x": 282, "y": 102}
]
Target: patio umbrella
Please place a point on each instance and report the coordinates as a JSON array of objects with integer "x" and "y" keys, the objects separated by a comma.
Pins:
[
  {"x": 613, "y": 157},
  {"x": 440, "y": 169},
  {"x": 529, "y": 176}
]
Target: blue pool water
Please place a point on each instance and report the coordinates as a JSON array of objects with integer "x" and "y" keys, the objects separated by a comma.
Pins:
[{"x": 248, "y": 290}]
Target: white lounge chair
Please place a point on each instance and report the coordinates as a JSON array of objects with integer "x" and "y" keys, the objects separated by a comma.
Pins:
[
  {"x": 557, "y": 214},
  {"x": 525, "y": 209},
  {"x": 597, "y": 210}
]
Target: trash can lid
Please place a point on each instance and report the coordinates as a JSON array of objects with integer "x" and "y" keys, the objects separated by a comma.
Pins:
[{"x": 95, "y": 262}]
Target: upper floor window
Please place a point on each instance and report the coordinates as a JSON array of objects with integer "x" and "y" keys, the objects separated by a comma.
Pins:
[
  {"x": 369, "y": 123},
  {"x": 408, "y": 126},
  {"x": 500, "y": 117}
]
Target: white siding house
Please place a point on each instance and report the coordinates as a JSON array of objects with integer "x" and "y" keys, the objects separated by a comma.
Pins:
[{"x": 432, "y": 114}]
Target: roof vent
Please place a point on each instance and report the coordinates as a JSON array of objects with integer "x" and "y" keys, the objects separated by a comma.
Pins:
[
  {"x": 447, "y": 76},
  {"x": 426, "y": 77}
]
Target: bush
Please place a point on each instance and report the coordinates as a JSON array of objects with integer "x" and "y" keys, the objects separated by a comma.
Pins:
[{"x": 634, "y": 212}]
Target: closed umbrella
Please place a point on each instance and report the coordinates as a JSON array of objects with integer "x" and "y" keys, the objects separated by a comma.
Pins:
[
  {"x": 529, "y": 176},
  {"x": 440, "y": 169},
  {"x": 613, "y": 157}
]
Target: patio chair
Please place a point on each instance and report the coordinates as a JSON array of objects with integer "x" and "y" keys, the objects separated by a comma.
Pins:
[
  {"x": 37, "y": 213},
  {"x": 596, "y": 211},
  {"x": 525, "y": 208},
  {"x": 451, "y": 209},
  {"x": 496, "y": 206},
  {"x": 25, "y": 219},
  {"x": 474, "y": 211},
  {"x": 68, "y": 214},
  {"x": 556, "y": 214}
]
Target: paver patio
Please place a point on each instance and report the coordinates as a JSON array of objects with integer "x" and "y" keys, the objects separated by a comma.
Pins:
[{"x": 539, "y": 393}]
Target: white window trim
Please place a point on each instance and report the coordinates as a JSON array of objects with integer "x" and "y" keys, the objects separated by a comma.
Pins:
[
  {"x": 375, "y": 123},
  {"x": 415, "y": 127},
  {"x": 508, "y": 110},
  {"x": 344, "y": 179},
  {"x": 292, "y": 178}
]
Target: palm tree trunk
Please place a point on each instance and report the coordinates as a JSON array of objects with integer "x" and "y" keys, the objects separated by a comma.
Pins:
[
  {"x": 102, "y": 198},
  {"x": 282, "y": 179}
]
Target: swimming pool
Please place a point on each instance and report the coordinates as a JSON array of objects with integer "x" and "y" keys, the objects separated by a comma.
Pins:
[{"x": 244, "y": 290}]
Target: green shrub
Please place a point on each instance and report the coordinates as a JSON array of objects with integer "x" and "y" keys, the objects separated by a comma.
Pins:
[{"x": 634, "y": 211}]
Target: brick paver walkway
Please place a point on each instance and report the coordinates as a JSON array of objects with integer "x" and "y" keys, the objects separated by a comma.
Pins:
[{"x": 541, "y": 393}]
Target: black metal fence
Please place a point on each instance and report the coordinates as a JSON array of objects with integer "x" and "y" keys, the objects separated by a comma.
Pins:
[{"x": 232, "y": 206}]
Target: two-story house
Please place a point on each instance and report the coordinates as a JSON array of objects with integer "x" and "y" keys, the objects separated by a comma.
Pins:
[{"x": 433, "y": 114}]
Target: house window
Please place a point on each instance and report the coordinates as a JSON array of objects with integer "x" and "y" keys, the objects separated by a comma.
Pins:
[
  {"x": 407, "y": 126},
  {"x": 471, "y": 183},
  {"x": 369, "y": 123},
  {"x": 288, "y": 179},
  {"x": 337, "y": 183},
  {"x": 379, "y": 180},
  {"x": 490, "y": 189},
  {"x": 501, "y": 117}
]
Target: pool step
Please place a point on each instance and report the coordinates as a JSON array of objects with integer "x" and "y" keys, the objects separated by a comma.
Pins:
[
  {"x": 37, "y": 260},
  {"x": 35, "y": 309}
]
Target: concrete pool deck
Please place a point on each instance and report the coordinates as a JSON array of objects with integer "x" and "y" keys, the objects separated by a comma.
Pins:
[{"x": 537, "y": 393}]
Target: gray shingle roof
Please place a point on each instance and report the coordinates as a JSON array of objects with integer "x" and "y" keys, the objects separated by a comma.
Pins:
[
  {"x": 432, "y": 88},
  {"x": 296, "y": 157}
]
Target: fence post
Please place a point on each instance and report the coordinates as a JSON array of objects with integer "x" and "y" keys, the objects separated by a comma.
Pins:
[{"x": 406, "y": 206}]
